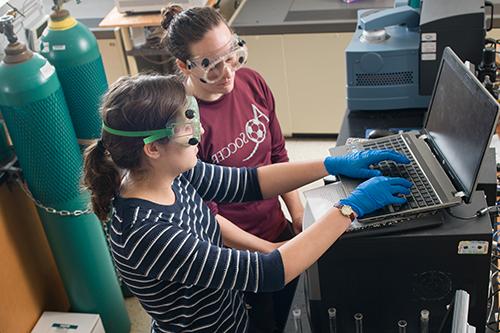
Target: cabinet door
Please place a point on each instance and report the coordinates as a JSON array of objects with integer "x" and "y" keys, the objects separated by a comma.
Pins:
[
  {"x": 316, "y": 76},
  {"x": 266, "y": 57}
]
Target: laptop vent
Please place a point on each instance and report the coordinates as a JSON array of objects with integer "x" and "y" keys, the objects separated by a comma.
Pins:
[{"x": 384, "y": 79}]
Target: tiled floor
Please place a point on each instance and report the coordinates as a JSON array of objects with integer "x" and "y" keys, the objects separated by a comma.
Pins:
[{"x": 298, "y": 150}]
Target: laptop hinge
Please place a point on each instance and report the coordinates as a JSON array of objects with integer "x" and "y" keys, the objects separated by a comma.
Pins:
[
  {"x": 459, "y": 194},
  {"x": 423, "y": 137}
]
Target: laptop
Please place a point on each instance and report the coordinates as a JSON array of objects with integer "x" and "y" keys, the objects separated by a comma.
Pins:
[{"x": 445, "y": 155}]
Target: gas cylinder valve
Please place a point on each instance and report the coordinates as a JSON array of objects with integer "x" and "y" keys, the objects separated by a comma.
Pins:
[{"x": 7, "y": 28}]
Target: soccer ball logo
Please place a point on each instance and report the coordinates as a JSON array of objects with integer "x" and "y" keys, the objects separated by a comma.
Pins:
[{"x": 256, "y": 131}]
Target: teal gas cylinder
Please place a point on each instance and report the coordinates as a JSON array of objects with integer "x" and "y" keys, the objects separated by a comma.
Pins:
[
  {"x": 5, "y": 150},
  {"x": 37, "y": 117},
  {"x": 73, "y": 50}
]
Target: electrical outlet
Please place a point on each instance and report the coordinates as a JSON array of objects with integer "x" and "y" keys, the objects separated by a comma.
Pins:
[{"x": 473, "y": 247}]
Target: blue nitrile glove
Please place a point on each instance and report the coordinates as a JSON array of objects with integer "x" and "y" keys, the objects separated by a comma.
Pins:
[
  {"x": 376, "y": 193},
  {"x": 357, "y": 164}
]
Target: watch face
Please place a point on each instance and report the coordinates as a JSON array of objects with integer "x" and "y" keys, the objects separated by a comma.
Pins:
[{"x": 346, "y": 210}]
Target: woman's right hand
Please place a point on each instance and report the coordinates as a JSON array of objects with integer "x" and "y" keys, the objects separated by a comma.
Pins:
[
  {"x": 357, "y": 164},
  {"x": 377, "y": 193}
]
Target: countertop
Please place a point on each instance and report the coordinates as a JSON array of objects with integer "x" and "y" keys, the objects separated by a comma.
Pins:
[{"x": 263, "y": 17}]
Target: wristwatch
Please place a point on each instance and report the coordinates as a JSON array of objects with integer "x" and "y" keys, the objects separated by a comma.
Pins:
[{"x": 345, "y": 210}]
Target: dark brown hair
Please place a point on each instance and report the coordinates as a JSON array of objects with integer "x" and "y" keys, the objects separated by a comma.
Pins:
[
  {"x": 183, "y": 27},
  {"x": 140, "y": 103}
]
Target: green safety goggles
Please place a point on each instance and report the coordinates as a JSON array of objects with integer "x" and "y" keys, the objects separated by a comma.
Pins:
[{"x": 185, "y": 131}]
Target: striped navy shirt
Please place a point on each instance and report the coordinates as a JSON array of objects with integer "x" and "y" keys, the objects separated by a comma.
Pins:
[{"x": 173, "y": 260}]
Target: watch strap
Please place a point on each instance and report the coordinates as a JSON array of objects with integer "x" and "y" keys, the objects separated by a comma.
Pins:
[{"x": 339, "y": 206}]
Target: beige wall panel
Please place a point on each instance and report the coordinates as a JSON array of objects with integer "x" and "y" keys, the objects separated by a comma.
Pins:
[
  {"x": 316, "y": 73},
  {"x": 495, "y": 33},
  {"x": 266, "y": 57}
]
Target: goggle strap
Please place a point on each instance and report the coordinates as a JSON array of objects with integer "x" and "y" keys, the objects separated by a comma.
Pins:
[
  {"x": 156, "y": 137},
  {"x": 152, "y": 135}
]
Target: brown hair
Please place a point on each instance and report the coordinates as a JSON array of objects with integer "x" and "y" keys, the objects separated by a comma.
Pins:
[
  {"x": 140, "y": 103},
  {"x": 185, "y": 27}
]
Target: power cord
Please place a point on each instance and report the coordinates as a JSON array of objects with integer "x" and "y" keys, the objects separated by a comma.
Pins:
[{"x": 479, "y": 213}]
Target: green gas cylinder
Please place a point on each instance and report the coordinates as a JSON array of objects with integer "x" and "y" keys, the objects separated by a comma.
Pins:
[
  {"x": 73, "y": 50},
  {"x": 5, "y": 150},
  {"x": 35, "y": 112},
  {"x": 414, "y": 3}
]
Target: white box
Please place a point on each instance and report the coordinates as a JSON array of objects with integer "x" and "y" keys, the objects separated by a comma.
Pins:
[{"x": 66, "y": 322}]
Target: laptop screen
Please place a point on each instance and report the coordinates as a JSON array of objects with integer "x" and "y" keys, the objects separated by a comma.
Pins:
[{"x": 460, "y": 122}]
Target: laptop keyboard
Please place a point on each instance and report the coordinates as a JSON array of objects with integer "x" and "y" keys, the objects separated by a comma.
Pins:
[{"x": 422, "y": 193}]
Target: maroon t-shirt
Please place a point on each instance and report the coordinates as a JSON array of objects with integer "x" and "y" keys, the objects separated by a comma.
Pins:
[{"x": 241, "y": 129}]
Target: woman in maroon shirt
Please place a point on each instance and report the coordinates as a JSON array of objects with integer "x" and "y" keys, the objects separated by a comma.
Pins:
[{"x": 241, "y": 129}]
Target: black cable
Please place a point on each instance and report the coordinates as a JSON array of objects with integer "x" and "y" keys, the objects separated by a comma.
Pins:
[
  {"x": 467, "y": 218},
  {"x": 479, "y": 213},
  {"x": 495, "y": 322},
  {"x": 495, "y": 330},
  {"x": 447, "y": 315},
  {"x": 494, "y": 294}
]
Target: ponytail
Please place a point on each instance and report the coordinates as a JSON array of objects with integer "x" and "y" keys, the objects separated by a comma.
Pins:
[
  {"x": 168, "y": 14},
  {"x": 102, "y": 178}
]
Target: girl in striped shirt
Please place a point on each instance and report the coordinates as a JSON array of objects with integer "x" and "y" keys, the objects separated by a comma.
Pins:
[{"x": 147, "y": 184}]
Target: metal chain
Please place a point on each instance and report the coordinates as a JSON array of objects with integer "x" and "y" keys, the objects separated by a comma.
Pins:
[
  {"x": 15, "y": 173},
  {"x": 77, "y": 212},
  {"x": 50, "y": 210}
]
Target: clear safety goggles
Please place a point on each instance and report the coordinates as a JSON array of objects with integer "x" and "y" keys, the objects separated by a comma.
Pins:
[
  {"x": 210, "y": 69},
  {"x": 185, "y": 130}
]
